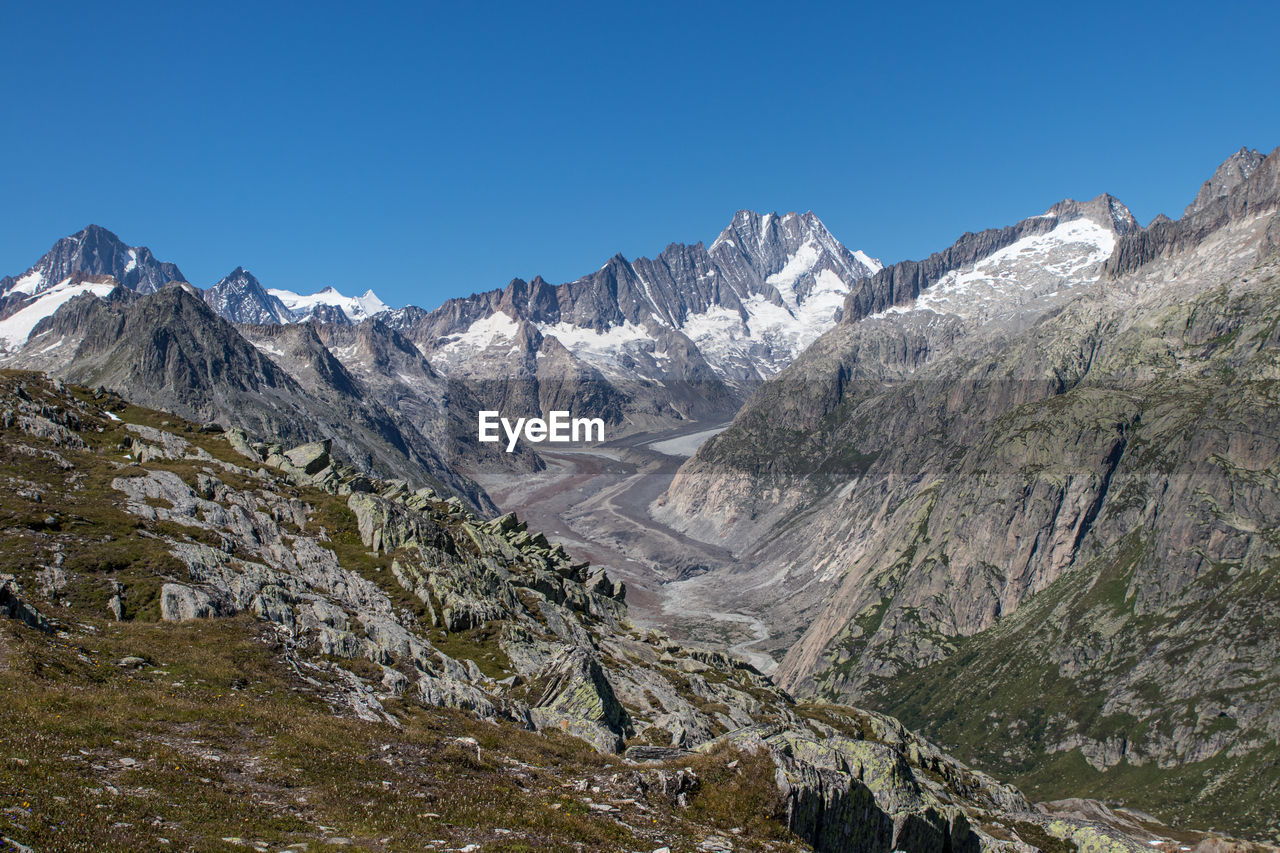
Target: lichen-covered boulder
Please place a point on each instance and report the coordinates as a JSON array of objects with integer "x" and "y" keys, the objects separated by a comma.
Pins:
[
  {"x": 577, "y": 698},
  {"x": 311, "y": 458}
]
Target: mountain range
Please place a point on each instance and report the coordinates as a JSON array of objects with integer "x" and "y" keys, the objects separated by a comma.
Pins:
[
  {"x": 1021, "y": 494},
  {"x": 213, "y": 642},
  {"x": 647, "y": 343}
]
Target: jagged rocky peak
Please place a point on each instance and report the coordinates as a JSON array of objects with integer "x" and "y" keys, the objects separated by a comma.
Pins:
[
  {"x": 241, "y": 298},
  {"x": 738, "y": 311},
  {"x": 773, "y": 242},
  {"x": 1105, "y": 210},
  {"x": 94, "y": 251},
  {"x": 1233, "y": 172},
  {"x": 1242, "y": 188}
]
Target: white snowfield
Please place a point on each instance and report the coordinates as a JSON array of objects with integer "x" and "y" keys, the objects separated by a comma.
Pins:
[
  {"x": 356, "y": 308},
  {"x": 29, "y": 283},
  {"x": 601, "y": 349},
  {"x": 686, "y": 445},
  {"x": 1041, "y": 266},
  {"x": 15, "y": 330},
  {"x": 497, "y": 328}
]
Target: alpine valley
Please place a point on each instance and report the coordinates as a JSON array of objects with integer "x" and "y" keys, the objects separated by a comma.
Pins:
[{"x": 976, "y": 552}]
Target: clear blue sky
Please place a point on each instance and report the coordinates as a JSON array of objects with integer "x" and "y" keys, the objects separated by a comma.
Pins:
[{"x": 432, "y": 150}]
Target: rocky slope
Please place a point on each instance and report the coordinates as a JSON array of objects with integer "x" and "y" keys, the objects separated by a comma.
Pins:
[
  {"x": 195, "y": 604},
  {"x": 1030, "y": 507}
]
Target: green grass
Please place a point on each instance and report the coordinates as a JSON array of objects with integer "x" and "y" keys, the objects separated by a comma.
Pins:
[
  {"x": 479, "y": 644},
  {"x": 290, "y": 770},
  {"x": 997, "y": 704}
]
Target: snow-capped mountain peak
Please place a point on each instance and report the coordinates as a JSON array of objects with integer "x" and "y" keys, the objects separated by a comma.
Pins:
[
  {"x": 741, "y": 308},
  {"x": 354, "y": 308},
  {"x": 241, "y": 298},
  {"x": 94, "y": 251},
  {"x": 1048, "y": 257}
]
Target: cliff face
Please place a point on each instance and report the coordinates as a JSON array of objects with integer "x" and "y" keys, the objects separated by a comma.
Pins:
[{"x": 1076, "y": 500}]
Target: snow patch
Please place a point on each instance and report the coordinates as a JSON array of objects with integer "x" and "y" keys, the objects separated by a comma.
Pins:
[
  {"x": 482, "y": 334},
  {"x": 15, "y": 330},
  {"x": 29, "y": 283},
  {"x": 803, "y": 261},
  {"x": 583, "y": 341},
  {"x": 867, "y": 261},
  {"x": 625, "y": 350},
  {"x": 263, "y": 346}
]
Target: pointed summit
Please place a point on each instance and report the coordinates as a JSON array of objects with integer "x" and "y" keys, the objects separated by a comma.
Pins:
[
  {"x": 789, "y": 250},
  {"x": 94, "y": 251},
  {"x": 241, "y": 298},
  {"x": 735, "y": 312},
  {"x": 1233, "y": 172},
  {"x": 1105, "y": 210}
]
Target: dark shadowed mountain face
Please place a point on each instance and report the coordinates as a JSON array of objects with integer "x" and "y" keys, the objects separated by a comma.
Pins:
[
  {"x": 1233, "y": 172},
  {"x": 94, "y": 251},
  {"x": 1026, "y": 500},
  {"x": 241, "y": 298},
  {"x": 170, "y": 351}
]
